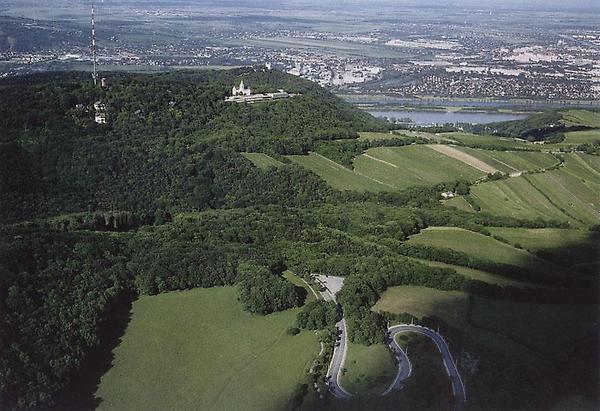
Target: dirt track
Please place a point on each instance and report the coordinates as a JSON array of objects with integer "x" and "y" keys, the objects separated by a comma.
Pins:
[{"x": 464, "y": 157}]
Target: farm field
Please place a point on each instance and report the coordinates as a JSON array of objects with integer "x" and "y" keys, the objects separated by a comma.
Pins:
[
  {"x": 415, "y": 165},
  {"x": 369, "y": 370},
  {"x": 492, "y": 321},
  {"x": 337, "y": 175},
  {"x": 513, "y": 161},
  {"x": 581, "y": 137},
  {"x": 567, "y": 194},
  {"x": 198, "y": 350},
  {"x": 261, "y": 160},
  {"x": 581, "y": 118},
  {"x": 568, "y": 247},
  {"x": 484, "y": 247},
  {"x": 484, "y": 140}
]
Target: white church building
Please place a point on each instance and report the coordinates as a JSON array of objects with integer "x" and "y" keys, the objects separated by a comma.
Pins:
[{"x": 243, "y": 94}]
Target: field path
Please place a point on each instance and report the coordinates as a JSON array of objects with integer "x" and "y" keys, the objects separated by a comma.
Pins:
[
  {"x": 380, "y": 160},
  {"x": 464, "y": 157}
]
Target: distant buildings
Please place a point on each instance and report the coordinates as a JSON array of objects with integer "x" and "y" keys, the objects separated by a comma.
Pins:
[
  {"x": 100, "y": 115},
  {"x": 243, "y": 94}
]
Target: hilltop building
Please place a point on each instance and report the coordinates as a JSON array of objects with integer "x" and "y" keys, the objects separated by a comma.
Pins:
[
  {"x": 100, "y": 116},
  {"x": 241, "y": 90},
  {"x": 243, "y": 94}
]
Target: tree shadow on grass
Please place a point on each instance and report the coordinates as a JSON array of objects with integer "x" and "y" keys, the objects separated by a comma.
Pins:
[{"x": 80, "y": 393}]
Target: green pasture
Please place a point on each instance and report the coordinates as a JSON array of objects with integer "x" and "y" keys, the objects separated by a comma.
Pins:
[
  {"x": 582, "y": 137},
  {"x": 368, "y": 370},
  {"x": 581, "y": 118},
  {"x": 197, "y": 349}
]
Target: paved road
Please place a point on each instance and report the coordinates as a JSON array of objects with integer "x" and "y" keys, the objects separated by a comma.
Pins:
[
  {"x": 458, "y": 388},
  {"x": 332, "y": 286}
]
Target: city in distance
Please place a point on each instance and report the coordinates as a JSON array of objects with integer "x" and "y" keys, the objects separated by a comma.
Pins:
[{"x": 299, "y": 205}]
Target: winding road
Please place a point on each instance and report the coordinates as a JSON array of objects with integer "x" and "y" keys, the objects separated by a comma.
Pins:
[
  {"x": 331, "y": 286},
  {"x": 458, "y": 388}
]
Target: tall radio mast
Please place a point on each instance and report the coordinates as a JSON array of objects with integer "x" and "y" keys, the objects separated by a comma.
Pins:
[{"x": 94, "y": 75}]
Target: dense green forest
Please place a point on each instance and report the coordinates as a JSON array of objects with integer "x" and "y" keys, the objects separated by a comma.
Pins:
[{"x": 160, "y": 199}]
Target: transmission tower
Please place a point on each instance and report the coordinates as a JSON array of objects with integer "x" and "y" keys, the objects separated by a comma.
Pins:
[{"x": 94, "y": 75}]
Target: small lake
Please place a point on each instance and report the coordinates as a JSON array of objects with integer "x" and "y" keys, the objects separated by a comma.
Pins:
[{"x": 442, "y": 117}]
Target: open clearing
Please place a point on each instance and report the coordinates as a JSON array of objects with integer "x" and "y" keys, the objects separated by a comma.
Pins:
[
  {"x": 261, "y": 160},
  {"x": 505, "y": 325},
  {"x": 464, "y": 157},
  {"x": 484, "y": 247},
  {"x": 415, "y": 165},
  {"x": 197, "y": 349},
  {"x": 337, "y": 175},
  {"x": 368, "y": 370}
]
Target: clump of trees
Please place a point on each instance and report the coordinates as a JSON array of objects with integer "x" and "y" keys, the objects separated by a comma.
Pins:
[
  {"x": 263, "y": 292},
  {"x": 318, "y": 314}
]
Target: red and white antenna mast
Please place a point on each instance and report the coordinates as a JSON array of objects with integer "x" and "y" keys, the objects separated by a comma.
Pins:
[{"x": 94, "y": 75}]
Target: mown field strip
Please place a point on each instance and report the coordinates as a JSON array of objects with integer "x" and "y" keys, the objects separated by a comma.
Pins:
[{"x": 464, "y": 157}]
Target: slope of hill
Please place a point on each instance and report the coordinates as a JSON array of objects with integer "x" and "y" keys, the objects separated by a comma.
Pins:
[{"x": 177, "y": 192}]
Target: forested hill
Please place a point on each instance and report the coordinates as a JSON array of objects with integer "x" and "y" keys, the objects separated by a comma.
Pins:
[{"x": 171, "y": 142}]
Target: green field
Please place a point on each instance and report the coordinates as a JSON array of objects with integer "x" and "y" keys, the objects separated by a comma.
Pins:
[
  {"x": 513, "y": 161},
  {"x": 569, "y": 247},
  {"x": 582, "y": 137},
  {"x": 416, "y": 165},
  {"x": 567, "y": 194},
  {"x": 374, "y": 136},
  {"x": 516, "y": 328},
  {"x": 477, "y": 274},
  {"x": 368, "y": 370},
  {"x": 581, "y": 118},
  {"x": 294, "y": 279},
  {"x": 459, "y": 203},
  {"x": 261, "y": 160},
  {"x": 484, "y": 247},
  {"x": 476, "y": 139},
  {"x": 198, "y": 350},
  {"x": 337, "y": 175}
]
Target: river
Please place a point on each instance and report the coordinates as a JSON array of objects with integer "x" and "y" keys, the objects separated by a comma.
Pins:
[{"x": 423, "y": 117}]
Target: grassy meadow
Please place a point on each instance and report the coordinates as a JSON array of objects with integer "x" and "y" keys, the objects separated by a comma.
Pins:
[
  {"x": 261, "y": 160},
  {"x": 198, "y": 350},
  {"x": 369, "y": 370}
]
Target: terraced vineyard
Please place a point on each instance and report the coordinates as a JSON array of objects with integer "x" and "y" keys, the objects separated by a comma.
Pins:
[
  {"x": 513, "y": 161},
  {"x": 485, "y": 140},
  {"x": 339, "y": 176},
  {"x": 416, "y": 165},
  {"x": 481, "y": 246},
  {"x": 567, "y": 194}
]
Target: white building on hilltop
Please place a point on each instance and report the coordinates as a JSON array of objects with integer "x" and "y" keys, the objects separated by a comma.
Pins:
[
  {"x": 241, "y": 90},
  {"x": 243, "y": 94}
]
